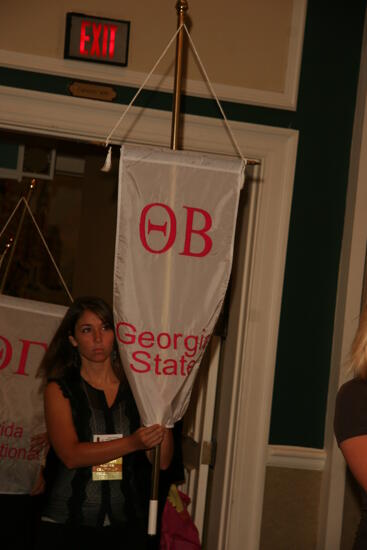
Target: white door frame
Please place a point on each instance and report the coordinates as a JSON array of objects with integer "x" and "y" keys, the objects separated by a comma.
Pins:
[
  {"x": 198, "y": 432},
  {"x": 244, "y": 405}
]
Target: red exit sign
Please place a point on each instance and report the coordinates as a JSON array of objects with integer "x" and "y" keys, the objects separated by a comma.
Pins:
[{"x": 96, "y": 39}]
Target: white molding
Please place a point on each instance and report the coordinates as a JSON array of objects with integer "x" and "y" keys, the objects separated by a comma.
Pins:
[
  {"x": 249, "y": 351},
  {"x": 84, "y": 119},
  {"x": 295, "y": 54},
  {"x": 235, "y": 507},
  {"x": 76, "y": 118},
  {"x": 259, "y": 343},
  {"x": 125, "y": 77},
  {"x": 300, "y": 458}
]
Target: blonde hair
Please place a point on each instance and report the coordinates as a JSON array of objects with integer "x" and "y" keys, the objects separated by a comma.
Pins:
[{"x": 357, "y": 361}]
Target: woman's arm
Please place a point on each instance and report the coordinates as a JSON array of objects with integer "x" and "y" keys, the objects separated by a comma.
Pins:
[
  {"x": 354, "y": 450},
  {"x": 76, "y": 454}
]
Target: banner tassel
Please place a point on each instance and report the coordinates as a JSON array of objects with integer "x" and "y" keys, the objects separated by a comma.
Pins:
[{"x": 108, "y": 162}]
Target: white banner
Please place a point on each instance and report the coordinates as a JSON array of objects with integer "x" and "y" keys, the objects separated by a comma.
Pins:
[
  {"x": 174, "y": 244},
  {"x": 26, "y": 327}
]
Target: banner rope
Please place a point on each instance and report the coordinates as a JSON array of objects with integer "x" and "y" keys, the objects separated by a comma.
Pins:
[
  {"x": 22, "y": 199},
  {"x": 211, "y": 88},
  {"x": 141, "y": 87},
  {"x": 107, "y": 164}
]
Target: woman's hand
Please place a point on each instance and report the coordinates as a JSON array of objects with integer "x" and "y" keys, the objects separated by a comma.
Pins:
[
  {"x": 76, "y": 454},
  {"x": 147, "y": 438},
  {"x": 157, "y": 435}
]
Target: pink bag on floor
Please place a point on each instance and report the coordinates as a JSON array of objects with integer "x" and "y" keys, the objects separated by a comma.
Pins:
[{"x": 178, "y": 531}]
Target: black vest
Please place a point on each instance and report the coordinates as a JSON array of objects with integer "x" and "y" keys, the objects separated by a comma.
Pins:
[{"x": 73, "y": 497}]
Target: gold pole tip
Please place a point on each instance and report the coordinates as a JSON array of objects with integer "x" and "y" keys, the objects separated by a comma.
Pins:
[{"x": 181, "y": 6}]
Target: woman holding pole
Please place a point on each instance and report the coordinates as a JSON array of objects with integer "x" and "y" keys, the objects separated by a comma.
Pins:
[{"x": 100, "y": 490}]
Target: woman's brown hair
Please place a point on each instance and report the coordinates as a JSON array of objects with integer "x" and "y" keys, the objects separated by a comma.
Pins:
[{"x": 61, "y": 355}]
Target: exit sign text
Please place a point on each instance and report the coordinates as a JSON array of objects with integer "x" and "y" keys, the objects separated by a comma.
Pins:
[{"x": 96, "y": 39}]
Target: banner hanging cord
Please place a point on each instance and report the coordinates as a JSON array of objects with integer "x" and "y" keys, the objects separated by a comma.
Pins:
[
  {"x": 141, "y": 87},
  {"x": 22, "y": 199},
  {"x": 234, "y": 141},
  {"x": 107, "y": 164}
]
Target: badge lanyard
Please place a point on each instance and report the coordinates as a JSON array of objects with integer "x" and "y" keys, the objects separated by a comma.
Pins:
[{"x": 111, "y": 470}]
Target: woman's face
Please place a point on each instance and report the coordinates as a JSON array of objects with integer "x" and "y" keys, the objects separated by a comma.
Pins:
[{"x": 93, "y": 338}]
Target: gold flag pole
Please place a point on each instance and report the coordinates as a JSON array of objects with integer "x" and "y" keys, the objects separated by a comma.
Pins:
[
  {"x": 181, "y": 7},
  {"x": 14, "y": 242}
]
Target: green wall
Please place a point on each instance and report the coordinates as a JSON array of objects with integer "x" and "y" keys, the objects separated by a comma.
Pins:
[{"x": 324, "y": 118}]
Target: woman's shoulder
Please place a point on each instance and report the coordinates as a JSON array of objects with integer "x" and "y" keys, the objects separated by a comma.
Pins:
[
  {"x": 68, "y": 382},
  {"x": 351, "y": 409},
  {"x": 354, "y": 388}
]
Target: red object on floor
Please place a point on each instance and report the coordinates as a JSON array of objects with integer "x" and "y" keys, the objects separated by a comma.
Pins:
[{"x": 178, "y": 531}]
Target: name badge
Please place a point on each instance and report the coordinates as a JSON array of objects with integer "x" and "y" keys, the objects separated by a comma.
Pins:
[{"x": 110, "y": 470}]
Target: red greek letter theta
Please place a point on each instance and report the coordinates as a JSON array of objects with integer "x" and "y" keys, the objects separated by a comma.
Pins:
[{"x": 155, "y": 227}]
